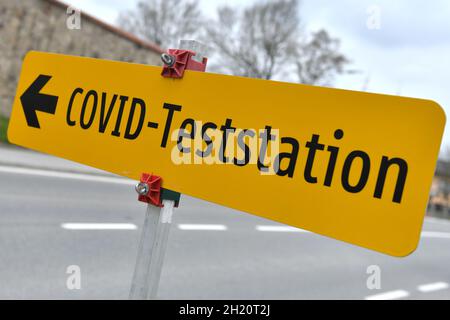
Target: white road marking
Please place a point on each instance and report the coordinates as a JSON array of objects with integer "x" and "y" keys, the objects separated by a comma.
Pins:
[
  {"x": 389, "y": 295},
  {"x": 279, "y": 229},
  {"x": 215, "y": 227},
  {"x": 273, "y": 228},
  {"x": 66, "y": 175},
  {"x": 435, "y": 234},
  {"x": 99, "y": 226},
  {"x": 429, "y": 287}
]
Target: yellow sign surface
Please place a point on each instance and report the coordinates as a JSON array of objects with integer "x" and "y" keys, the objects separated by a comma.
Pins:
[{"x": 349, "y": 165}]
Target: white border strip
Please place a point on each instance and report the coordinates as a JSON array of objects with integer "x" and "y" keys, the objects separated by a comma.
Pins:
[{"x": 213, "y": 227}]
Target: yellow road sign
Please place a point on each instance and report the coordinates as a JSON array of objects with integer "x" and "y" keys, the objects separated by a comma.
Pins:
[{"x": 349, "y": 165}]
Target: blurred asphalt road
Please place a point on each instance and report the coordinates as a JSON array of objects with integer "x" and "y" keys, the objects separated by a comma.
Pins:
[{"x": 238, "y": 256}]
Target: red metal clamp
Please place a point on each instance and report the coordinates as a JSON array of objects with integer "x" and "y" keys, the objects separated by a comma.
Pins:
[
  {"x": 149, "y": 189},
  {"x": 176, "y": 61}
]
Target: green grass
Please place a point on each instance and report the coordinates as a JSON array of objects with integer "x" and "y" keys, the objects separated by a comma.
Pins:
[{"x": 3, "y": 128}]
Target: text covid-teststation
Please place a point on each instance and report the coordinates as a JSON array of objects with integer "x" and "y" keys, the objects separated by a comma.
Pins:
[
  {"x": 93, "y": 110},
  {"x": 350, "y": 165}
]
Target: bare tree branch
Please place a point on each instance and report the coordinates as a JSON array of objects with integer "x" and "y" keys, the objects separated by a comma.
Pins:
[
  {"x": 163, "y": 22},
  {"x": 254, "y": 42},
  {"x": 266, "y": 39},
  {"x": 318, "y": 60}
]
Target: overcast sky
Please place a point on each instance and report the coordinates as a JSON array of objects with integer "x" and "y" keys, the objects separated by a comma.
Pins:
[{"x": 408, "y": 55}]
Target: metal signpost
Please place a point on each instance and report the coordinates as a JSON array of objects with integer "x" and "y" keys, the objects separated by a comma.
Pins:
[
  {"x": 152, "y": 248},
  {"x": 158, "y": 217}
]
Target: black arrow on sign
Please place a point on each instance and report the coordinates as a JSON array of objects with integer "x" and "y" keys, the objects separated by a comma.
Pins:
[{"x": 32, "y": 101}]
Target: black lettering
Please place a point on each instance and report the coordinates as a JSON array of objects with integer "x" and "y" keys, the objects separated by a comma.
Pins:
[
  {"x": 69, "y": 107},
  {"x": 105, "y": 119},
  {"x": 265, "y": 137},
  {"x": 244, "y": 147},
  {"x": 207, "y": 139},
  {"x": 172, "y": 108},
  {"x": 226, "y": 129},
  {"x": 312, "y": 145},
  {"x": 123, "y": 100},
  {"x": 182, "y": 134},
  {"x": 135, "y": 102},
  {"x": 338, "y": 134},
  {"x": 401, "y": 177},
  {"x": 292, "y": 156},
  {"x": 364, "y": 172},
  {"x": 83, "y": 124}
]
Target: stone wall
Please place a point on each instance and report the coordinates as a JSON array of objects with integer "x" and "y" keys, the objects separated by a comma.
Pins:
[{"x": 41, "y": 25}]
